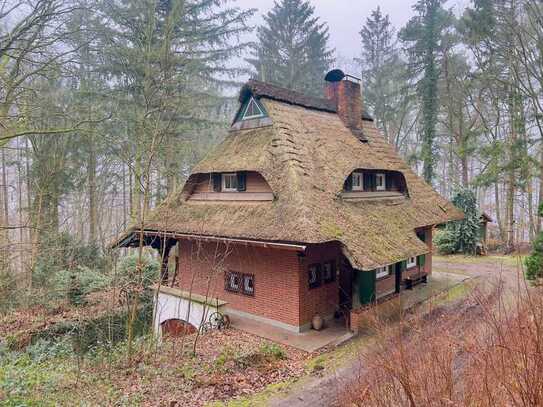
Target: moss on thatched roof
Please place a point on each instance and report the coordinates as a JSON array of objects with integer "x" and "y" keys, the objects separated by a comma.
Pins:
[{"x": 305, "y": 156}]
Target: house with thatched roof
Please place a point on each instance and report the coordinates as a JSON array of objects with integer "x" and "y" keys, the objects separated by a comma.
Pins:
[{"x": 304, "y": 209}]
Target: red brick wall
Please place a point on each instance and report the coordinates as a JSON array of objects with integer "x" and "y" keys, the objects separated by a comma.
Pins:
[
  {"x": 277, "y": 277},
  {"x": 324, "y": 299},
  {"x": 282, "y": 290},
  {"x": 386, "y": 284}
]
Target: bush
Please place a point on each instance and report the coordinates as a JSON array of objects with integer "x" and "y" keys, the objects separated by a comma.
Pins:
[
  {"x": 273, "y": 350},
  {"x": 534, "y": 262},
  {"x": 461, "y": 236},
  {"x": 128, "y": 273},
  {"x": 445, "y": 242},
  {"x": 77, "y": 284},
  {"x": 60, "y": 252}
]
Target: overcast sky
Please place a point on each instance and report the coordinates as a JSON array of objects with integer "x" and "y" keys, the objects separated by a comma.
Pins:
[{"x": 346, "y": 17}]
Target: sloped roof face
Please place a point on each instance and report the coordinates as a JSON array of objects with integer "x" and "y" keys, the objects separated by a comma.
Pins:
[{"x": 305, "y": 156}]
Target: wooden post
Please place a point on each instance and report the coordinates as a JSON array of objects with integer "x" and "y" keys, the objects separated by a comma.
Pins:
[{"x": 164, "y": 248}]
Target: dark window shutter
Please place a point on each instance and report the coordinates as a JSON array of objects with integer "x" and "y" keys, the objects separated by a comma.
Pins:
[
  {"x": 216, "y": 182},
  {"x": 369, "y": 182},
  {"x": 348, "y": 185},
  {"x": 422, "y": 260},
  {"x": 389, "y": 183},
  {"x": 242, "y": 181}
]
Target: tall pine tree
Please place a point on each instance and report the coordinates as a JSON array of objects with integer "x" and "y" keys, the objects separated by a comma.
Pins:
[
  {"x": 423, "y": 36},
  {"x": 292, "y": 48},
  {"x": 384, "y": 76}
]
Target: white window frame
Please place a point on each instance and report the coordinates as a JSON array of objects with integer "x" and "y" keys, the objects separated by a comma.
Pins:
[
  {"x": 360, "y": 176},
  {"x": 232, "y": 277},
  {"x": 383, "y": 185},
  {"x": 245, "y": 279},
  {"x": 223, "y": 181},
  {"x": 254, "y": 116},
  {"x": 411, "y": 262},
  {"x": 382, "y": 272}
]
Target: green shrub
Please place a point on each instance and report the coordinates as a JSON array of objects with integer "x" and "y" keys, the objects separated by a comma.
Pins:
[
  {"x": 461, "y": 236},
  {"x": 128, "y": 273},
  {"x": 78, "y": 283},
  {"x": 534, "y": 262},
  {"x": 445, "y": 241},
  {"x": 534, "y": 266},
  {"x": 273, "y": 350}
]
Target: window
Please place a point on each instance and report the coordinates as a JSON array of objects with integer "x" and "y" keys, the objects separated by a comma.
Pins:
[
  {"x": 411, "y": 262},
  {"x": 329, "y": 272},
  {"x": 358, "y": 181},
  {"x": 380, "y": 182},
  {"x": 229, "y": 182},
  {"x": 240, "y": 283},
  {"x": 382, "y": 272},
  {"x": 253, "y": 110},
  {"x": 233, "y": 282},
  {"x": 314, "y": 275},
  {"x": 249, "y": 284}
]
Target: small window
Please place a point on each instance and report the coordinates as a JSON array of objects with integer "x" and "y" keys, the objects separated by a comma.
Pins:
[
  {"x": 233, "y": 282},
  {"x": 382, "y": 272},
  {"x": 253, "y": 110},
  {"x": 314, "y": 275},
  {"x": 329, "y": 272},
  {"x": 249, "y": 284},
  {"x": 358, "y": 181},
  {"x": 230, "y": 182},
  {"x": 411, "y": 262},
  {"x": 380, "y": 182}
]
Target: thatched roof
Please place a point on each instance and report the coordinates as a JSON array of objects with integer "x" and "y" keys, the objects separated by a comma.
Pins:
[{"x": 305, "y": 156}]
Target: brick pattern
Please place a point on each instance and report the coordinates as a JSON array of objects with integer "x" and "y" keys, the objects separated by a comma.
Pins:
[
  {"x": 282, "y": 290},
  {"x": 277, "y": 277},
  {"x": 323, "y": 300},
  {"x": 347, "y": 96},
  {"x": 385, "y": 285}
]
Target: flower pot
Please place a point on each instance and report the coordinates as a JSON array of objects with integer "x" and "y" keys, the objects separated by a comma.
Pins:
[{"x": 317, "y": 322}]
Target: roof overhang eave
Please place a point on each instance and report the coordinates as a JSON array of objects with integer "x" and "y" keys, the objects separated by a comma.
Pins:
[{"x": 130, "y": 238}]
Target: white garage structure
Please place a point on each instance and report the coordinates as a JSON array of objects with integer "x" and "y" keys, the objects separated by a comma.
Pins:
[{"x": 172, "y": 303}]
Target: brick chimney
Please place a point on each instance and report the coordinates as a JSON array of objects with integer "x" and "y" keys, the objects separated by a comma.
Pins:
[{"x": 345, "y": 92}]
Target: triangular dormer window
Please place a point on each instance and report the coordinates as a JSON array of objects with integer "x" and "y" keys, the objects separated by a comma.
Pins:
[{"x": 252, "y": 110}]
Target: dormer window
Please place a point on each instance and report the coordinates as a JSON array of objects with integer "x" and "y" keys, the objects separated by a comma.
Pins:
[
  {"x": 380, "y": 182},
  {"x": 357, "y": 181},
  {"x": 374, "y": 184},
  {"x": 230, "y": 186},
  {"x": 253, "y": 110},
  {"x": 229, "y": 182}
]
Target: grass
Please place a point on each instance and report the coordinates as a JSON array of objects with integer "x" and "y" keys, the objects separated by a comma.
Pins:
[
  {"x": 258, "y": 399},
  {"x": 510, "y": 261}
]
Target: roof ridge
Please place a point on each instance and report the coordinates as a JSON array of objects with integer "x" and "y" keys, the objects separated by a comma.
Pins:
[{"x": 294, "y": 97}]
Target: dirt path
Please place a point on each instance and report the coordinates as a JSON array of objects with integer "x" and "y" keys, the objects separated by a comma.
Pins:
[{"x": 322, "y": 391}]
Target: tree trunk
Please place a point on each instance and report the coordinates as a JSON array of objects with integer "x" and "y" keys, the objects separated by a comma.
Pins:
[
  {"x": 4, "y": 217},
  {"x": 540, "y": 198},
  {"x": 499, "y": 218},
  {"x": 91, "y": 175}
]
